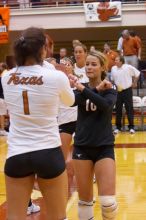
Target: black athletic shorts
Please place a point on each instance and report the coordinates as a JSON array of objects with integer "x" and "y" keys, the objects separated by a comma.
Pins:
[
  {"x": 47, "y": 164},
  {"x": 93, "y": 153},
  {"x": 68, "y": 128}
]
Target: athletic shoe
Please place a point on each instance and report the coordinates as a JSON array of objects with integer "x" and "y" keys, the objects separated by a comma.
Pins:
[
  {"x": 33, "y": 209},
  {"x": 116, "y": 131},
  {"x": 132, "y": 131}
]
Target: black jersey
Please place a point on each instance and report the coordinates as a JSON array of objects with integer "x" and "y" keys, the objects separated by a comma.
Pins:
[{"x": 94, "y": 127}]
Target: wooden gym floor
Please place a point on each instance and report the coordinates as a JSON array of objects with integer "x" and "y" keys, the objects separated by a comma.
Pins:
[{"x": 131, "y": 181}]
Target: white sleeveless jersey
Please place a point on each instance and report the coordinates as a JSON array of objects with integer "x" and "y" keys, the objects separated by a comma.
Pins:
[
  {"x": 33, "y": 95},
  {"x": 69, "y": 114},
  {"x": 48, "y": 65},
  {"x": 81, "y": 73},
  {"x": 66, "y": 114}
]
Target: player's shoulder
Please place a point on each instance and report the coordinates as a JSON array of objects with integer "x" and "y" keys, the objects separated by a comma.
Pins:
[
  {"x": 56, "y": 75},
  {"x": 48, "y": 65},
  {"x": 8, "y": 73},
  {"x": 60, "y": 74}
]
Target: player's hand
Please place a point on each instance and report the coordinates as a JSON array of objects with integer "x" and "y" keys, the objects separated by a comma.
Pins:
[
  {"x": 79, "y": 86},
  {"x": 74, "y": 81},
  {"x": 104, "y": 85}
]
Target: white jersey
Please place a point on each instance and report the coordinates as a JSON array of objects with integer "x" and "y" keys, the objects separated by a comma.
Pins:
[
  {"x": 81, "y": 73},
  {"x": 48, "y": 65},
  {"x": 33, "y": 95},
  {"x": 69, "y": 114},
  {"x": 120, "y": 44},
  {"x": 66, "y": 114},
  {"x": 122, "y": 77}
]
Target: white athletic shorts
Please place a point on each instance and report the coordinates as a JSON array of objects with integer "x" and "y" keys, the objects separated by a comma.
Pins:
[{"x": 3, "y": 107}]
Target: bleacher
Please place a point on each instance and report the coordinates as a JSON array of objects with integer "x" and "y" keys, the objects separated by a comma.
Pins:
[
  {"x": 53, "y": 3},
  {"x": 98, "y": 45}
]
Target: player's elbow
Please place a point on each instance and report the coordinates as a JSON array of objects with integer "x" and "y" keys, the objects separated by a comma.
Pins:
[{"x": 69, "y": 100}]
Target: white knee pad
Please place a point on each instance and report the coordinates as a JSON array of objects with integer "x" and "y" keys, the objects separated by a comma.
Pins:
[
  {"x": 109, "y": 207},
  {"x": 85, "y": 210}
]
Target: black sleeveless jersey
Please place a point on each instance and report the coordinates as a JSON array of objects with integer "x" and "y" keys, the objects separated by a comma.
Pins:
[{"x": 94, "y": 127}]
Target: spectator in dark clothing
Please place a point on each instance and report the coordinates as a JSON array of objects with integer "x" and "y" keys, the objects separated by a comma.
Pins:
[{"x": 36, "y": 3}]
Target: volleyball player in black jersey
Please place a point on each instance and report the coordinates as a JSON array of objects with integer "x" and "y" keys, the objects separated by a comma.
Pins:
[{"x": 94, "y": 140}]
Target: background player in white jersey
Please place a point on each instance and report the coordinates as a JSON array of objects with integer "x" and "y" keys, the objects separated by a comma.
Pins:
[
  {"x": 33, "y": 94},
  {"x": 67, "y": 117},
  {"x": 94, "y": 140},
  {"x": 80, "y": 53}
]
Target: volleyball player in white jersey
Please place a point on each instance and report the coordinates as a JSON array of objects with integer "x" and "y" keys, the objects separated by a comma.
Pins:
[
  {"x": 32, "y": 94},
  {"x": 67, "y": 116},
  {"x": 80, "y": 53}
]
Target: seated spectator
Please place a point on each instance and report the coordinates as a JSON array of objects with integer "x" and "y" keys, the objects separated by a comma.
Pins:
[
  {"x": 36, "y": 3},
  {"x": 24, "y": 3},
  {"x": 92, "y": 48},
  {"x": 62, "y": 54},
  {"x": 75, "y": 2}
]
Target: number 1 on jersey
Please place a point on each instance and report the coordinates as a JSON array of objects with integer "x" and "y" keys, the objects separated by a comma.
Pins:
[{"x": 25, "y": 103}]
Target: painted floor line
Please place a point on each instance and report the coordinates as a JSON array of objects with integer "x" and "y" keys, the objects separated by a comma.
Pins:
[{"x": 72, "y": 201}]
